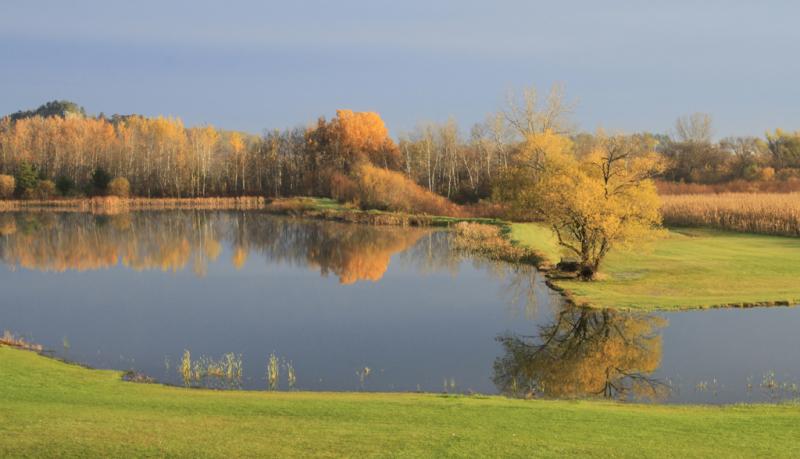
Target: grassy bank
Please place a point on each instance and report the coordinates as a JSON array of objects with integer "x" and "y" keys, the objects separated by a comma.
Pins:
[
  {"x": 689, "y": 268},
  {"x": 54, "y": 409}
]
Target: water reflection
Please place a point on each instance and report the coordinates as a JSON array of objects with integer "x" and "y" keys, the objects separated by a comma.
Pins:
[
  {"x": 584, "y": 353},
  {"x": 173, "y": 241},
  {"x": 433, "y": 316}
]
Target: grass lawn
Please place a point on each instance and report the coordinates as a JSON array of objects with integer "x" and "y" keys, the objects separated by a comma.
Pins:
[
  {"x": 689, "y": 268},
  {"x": 50, "y": 408}
]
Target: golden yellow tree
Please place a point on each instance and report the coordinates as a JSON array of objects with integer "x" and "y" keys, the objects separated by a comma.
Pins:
[
  {"x": 364, "y": 135},
  {"x": 603, "y": 199}
]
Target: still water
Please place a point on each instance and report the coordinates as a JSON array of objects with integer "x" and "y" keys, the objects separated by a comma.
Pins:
[{"x": 351, "y": 307}]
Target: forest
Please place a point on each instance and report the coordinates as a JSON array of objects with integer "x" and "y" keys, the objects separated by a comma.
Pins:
[{"x": 59, "y": 150}]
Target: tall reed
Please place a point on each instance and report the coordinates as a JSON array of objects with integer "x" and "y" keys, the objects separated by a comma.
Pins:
[{"x": 273, "y": 372}]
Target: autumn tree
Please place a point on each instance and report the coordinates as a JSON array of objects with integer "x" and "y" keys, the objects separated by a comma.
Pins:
[
  {"x": 603, "y": 199},
  {"x": 691, "y": 155},
  {"x": 528, "y": 115},
  {"x": 747, "y": 156},
  {"x": 363, "y": 135},
  {"x": 784, "y": 148}
]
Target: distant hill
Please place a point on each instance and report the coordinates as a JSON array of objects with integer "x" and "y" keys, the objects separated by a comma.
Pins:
[{"x": 62, "y": 108}]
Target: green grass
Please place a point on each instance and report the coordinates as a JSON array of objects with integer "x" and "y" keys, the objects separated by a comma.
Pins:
[
  {"x": 50, "y": 408},
  {"x": 689, "y": 268},
  {"x": 326, "y": 204},
  {"x": 539, "y": 237}
]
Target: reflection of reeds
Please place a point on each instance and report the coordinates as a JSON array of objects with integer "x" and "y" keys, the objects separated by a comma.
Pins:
[
  {"x": 363, "y": 374},
  {"x": 291, "y": 377}
]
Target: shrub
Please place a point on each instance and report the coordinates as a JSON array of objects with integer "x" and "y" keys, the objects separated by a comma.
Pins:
[
  {"x": 45, "y": 189},
  {"x": 119, "y": 187},
  {"x": 343, "y": 188},
  {"x": 383, "y": 189},
  {"x": 7, "y": 185},
  {"x": 788, "y": 174},
  {"x": 100, "y": 180},
  {"x": 65, "y": 185}
]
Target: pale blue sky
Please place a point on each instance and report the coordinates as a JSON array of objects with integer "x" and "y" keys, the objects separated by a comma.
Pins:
[{"x": 630, "y": 65}]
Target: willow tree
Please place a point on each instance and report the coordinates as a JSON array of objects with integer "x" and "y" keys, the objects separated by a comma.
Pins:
[{"x": 602, "y": 199}]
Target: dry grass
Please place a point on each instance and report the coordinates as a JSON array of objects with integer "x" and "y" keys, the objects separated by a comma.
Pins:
[
  {"x": 491, "y": 242},
  {"x": 735, "y": 186},
  {"x": 763, "y": 213},
  {"x": 9, "y": 339},
  {"x": 113, "y": 204}
]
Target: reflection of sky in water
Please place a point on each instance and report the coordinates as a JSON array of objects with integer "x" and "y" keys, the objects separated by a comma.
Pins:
[{"x": 424, "y": 317}]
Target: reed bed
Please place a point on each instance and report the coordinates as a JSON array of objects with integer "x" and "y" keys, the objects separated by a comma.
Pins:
[
  {"x": 763, "y": 213},
  {"x": 10, "y": 339},
  {"x": 491, "y": 242},
  {"x": 113, "y": 204}
]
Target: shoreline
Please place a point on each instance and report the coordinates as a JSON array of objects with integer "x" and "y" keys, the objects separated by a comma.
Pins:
[
  {"x": 308, "y": 207},
  {"x": 331, "y": 210},
  {"x": 130, "y": 376},
  {"x": 95, "y": 412}
]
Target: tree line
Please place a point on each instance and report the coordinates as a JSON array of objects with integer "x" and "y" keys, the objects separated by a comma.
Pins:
[{"x": 58, "y": 150}]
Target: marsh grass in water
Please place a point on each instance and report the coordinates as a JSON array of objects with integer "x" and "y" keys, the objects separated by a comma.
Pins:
[
  {"x": 10, "y": 339},
  {"x": 492, "y": 242},
  {"x": 775, "y": 389},
  {"x": 291, "y": 377},
  {"x": 273, "y": 372},
  {"x": 223, "y": 373}
]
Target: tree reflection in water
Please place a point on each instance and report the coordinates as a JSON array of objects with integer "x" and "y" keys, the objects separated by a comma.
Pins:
[
  {"x": 176, "y": 240},
  {"x": 584, "y": 353}
]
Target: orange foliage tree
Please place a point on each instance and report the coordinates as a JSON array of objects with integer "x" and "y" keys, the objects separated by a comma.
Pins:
[{"x": 364, "y": 135}]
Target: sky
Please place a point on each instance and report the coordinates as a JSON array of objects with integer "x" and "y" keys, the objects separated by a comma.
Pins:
[{"x": 250, "y": 65}]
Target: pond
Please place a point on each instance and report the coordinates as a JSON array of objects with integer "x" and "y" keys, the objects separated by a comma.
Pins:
[{"x": 349, "y": 307}]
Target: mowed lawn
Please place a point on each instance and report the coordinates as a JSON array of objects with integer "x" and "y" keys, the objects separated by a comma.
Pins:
[
  {"x": 51, "y": 409},
  {"x": 688, "y": 268}
]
